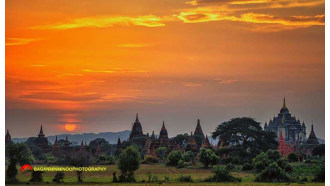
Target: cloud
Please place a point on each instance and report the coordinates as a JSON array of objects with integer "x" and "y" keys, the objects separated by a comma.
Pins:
[
  {"x": 225, "y": 81},
  {"x": 193, "y": 85},
  {"x": 104, "y": 22},
  {"x": 19, "y": 41},
  {"x": 278, "y": 22},
  {"x": 60, "y": 96},
  {"x": 116, "y": 70},
  {"x": 256, "y": 3},
  {"x": 133, "y": 45}
]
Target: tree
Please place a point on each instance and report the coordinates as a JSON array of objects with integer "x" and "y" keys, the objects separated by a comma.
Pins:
[
  {"x": 188, "y": 156},
  {"x": 104, "y": 145},
  {"x": 273, "y": 155},
  {"x": 129, "y": 161},
  {"x": 245, "y": 133},
  {"x": 208, "y": 157},
  {"x": 18, "y": 153},
  {"x": 181, "y": 138},
  {"x": 77, "y": 159},
  {"x": 319, "y": 150},
  {"x": 174, "y": 157},
  {"x": 292, "y": 157},
  {"x": 161, "y": 153}
]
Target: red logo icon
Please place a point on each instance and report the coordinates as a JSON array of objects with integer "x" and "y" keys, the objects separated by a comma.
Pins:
[{"x": 25, "y": 166}]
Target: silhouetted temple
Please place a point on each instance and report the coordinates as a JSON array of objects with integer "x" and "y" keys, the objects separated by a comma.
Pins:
[
  {"x": 119, "y": 148},
  {"x": 198, "y": 130},
  {"x": 293, "y": 131},
  {"x": 206, "y": 143},
  {"x": 136, "y": 129},
  {"x": 42, "y": 141},
  {"x": 312, "y": 139},
  {"x": 8, "y": 137},
  {"x": 192, "y": 145},
  {"x": 56, "y": 146}
]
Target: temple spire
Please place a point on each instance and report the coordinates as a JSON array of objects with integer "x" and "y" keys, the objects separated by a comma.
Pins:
[
  {"x": 137, "y": 117},
  {"x": 284, "y": 105},
  {"x": 41, "y": 132}
]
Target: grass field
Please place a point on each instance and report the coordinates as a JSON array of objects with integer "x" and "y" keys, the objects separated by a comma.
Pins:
[{"x": 158, "y": 172}]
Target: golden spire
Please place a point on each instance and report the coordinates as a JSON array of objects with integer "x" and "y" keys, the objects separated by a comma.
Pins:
[{"x": 284, "y": 105}]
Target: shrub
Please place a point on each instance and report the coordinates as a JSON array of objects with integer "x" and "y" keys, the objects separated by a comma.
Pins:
[
  {"x": 174, "y": 157},
  {"x": 284, "y": 164},
  {"x": 247, "y": 166},
  {"x": 129, "y": 161},
  {"x": 273, "y": 155},
  {"x": 36, "y": 176},
  {"x": 230, "y": 166},
  {"x": 188, "y": 156},
  {"x": 320, "y": 175},
  {"x": 185, "y": 178},
  {"x": 208, "y": 157},
  {"x": 221, "y": 174},
  {"x": 292, "y": 157},
  {"x": 111, "y": 160},
  {"x": 148, "y": 159},
  {"x": 273, "y": 173},
  {"x": 181, "y": 164},
  {"x": 58, "y": 178},
  {"x": 260, "y": 162},
  {"x": 308, "y": 161}
]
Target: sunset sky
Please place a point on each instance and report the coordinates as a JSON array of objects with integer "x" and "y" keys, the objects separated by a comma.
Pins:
[{"x": 96, "y": 63}]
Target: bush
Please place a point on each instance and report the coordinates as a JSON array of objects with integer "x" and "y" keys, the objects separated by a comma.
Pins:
[
  {"x": 292, "y": 157},
  {"x": 273, "y": 173},
  {"x": 36, "y": 176},
  {"x": 284, "y": 164},
  {"x": 174, "y": 157},
  {"x": 208, "y": 157},
  {"x": 185, "y": 178},
  {"x": 181, "y": 164},
  {"x": 111, "y": 160},
  {"x": 129, "y": 161},
  {"x": 273, "y": 155},
  {"x": 58, "y": 178},
  {"x": 320, "y": 175},
  {"x": 247, "y": 166},
  {"x": 230, "y": 166},
  {"x": 148, "y": 159},
  {"x": 221, "y": 174},
  {"x": 308, "y": 161},
  {"x": 188, "y": 156},
  {"x": 260, "y": 162}
]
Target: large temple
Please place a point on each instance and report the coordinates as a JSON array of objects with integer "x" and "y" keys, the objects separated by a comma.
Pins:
[
  {"x": 291, "y": 128},
  {"x": 291, "y": 133}
]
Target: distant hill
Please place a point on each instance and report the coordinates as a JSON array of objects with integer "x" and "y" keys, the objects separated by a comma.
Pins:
[
  {"x": 111, "y": 137},
  {"x": 321, "y": 141}
]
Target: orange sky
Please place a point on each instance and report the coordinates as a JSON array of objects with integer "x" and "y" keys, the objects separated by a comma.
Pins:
[{"x": 97, "y": 63}]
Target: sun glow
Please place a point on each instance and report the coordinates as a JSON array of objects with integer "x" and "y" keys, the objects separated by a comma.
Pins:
[{"x": 70, "y": 127}]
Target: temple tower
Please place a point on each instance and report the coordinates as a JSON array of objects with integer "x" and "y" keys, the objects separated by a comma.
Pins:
[
  {"x": 8, "y": 137},
  {"x": 136, "y": 129}
]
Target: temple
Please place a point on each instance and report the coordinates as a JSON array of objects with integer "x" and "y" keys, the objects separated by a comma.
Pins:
[
  {"x": 136, "y": 129},
  {"x": 8, "y": 137},
  {"x": 293, "y": 131},
  {"x": 42, "y": 141}
]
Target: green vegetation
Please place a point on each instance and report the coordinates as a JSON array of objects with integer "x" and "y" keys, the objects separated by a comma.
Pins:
[
  {"x": 129, "y": 161},
  {"x": 208, "y": 157}
]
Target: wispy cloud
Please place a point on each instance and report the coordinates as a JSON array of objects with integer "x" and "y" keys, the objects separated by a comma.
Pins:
[
  {"x": 193, "y": 85},
  {"x": 19, "y": 41},
  {"x": 104, "y": 22},
  {"x": 133, "y": 45},
  {"x": 37, "y": 65},
  {"x": 224, "y": 81},
  {"x": 116, "y": 70}
]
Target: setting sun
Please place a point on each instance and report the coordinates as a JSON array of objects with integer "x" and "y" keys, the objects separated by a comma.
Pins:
[{"x": 70, "y": 127}]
